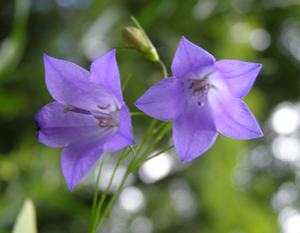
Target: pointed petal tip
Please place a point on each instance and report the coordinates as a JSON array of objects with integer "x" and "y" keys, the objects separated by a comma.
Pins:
[
  {"x": 112, "y": 52},
  {"x": 258, "y": 66},
  {"x": 71, "y": 187},
  {"x": 183, "y": 38},
  {"x": 46, "y": 57},
  {"x": 259, "y": 134},
  {"x": 188, "y": 157}
]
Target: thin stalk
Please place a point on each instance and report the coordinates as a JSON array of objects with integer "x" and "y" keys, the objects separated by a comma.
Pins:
[
  {"x": 125, "y": 82},
  {"x": 151, "y": 126},
  {"x": 111, "y": 201},
  {"x": 163, "y": 68},
  {"x": 96, "y": 191},
  {"x": 147, "y": 134},
  {"x": 132, "y": 150},
  {"x": 152, "y": 144},
  {"x": 137, "y": 165},
  {"x": 104, "y": 194},
  {"x": 137, "y": 113},
  {"x": 128, "y": 152}
]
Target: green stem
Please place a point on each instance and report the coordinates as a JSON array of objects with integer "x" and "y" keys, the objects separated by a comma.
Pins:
[
  {"x": 137, "y": 113},
  {"x": 112, "y": 199},
  {"x": 163, "y": 68},
  {"x": 104, "y": 194},
  {"x": 137, "y": 165},
  {"x": 125, "y": 82},
  {"x": 134, "y": 164},
  {"x": 152, "y": 144},
  {"x": 148, "y": 134},
  {"x": 96, "y": 192}
]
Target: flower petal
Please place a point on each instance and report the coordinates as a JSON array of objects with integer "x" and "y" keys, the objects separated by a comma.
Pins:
[
  {"x": 123, "y": 137},
  {"x": 78, "y": 159},
  {"x": 68, "y": 82},
  {"x": 105, "y": 72},
  {"x": 194, "y": 131},
  {"x": 239, "y": 75},
  {"x": 190, "y": 58},
  {"x": 58, "y": 129},
  {"x": 164, "y": 100},
  {"x": 232, "y": 116}
]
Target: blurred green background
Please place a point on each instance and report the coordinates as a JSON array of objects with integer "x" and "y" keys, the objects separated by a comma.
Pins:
[{"x": 236, "y": 187}]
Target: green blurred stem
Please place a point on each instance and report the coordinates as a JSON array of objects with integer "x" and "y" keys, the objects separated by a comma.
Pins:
[
  {"x": 96, "y": 192},
  {"x": 167, "y": 127},
  {"x": 137, "y": 113},
  {"x": 134, "y": 164},
  {"x": 13, "y": 46},
  {"x": 137, "y": 165},
  {"x": 125, "y": 82},
  {"x": 112, "y": 199},
  {"x": 163, "y": 68},
  {"x": 149, "y": 132},
  {"x": 104, "y": 194}
]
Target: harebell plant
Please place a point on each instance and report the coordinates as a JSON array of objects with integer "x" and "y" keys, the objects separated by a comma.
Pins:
[{"x": 201, "y": 98}]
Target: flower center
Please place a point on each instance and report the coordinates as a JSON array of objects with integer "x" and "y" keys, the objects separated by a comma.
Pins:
[
  {"x": 105, "y": 119},
  {"x": 201, "y": 88}
]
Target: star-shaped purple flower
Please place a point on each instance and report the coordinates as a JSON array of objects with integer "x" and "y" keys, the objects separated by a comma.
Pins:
[
  {"x": 202, "y": 98},
  {"x": 88, "y": 117}
]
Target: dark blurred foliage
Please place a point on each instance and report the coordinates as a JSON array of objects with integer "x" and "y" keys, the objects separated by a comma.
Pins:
[{"x": 236, "y": 187}]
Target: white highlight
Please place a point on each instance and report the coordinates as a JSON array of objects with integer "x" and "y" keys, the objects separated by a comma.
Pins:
[
  {"x": 260, "y": 39},
  {"x": 286, "y": 149},
  {"x": 156, "y": 168},
  {"x": 289, "y": 219},
  {"x": 286, "y": 195},
  {"x": 131, "y": 199},
  {"x": 285, "y": 119}
]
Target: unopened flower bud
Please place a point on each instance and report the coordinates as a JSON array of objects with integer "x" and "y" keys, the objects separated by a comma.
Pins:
[{"x": 137, "y": 39}]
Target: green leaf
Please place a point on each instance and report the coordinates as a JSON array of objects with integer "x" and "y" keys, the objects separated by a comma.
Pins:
[{"x": 26, "y": 220}]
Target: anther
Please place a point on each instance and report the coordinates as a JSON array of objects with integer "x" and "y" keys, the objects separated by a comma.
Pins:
[
  {"x": 104, "y": 108},
  {"x": 69, "y": 108},
  {"x": 104, "y": 122},
  {"x": 196, "y": 82}
]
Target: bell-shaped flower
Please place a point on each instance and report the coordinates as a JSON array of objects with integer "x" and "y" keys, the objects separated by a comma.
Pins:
[
  {"x": 88, "y": 117},
  {"x": 203, "y": 98}
]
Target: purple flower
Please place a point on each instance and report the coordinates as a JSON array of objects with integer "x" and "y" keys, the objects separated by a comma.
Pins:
[
  {"x": 202, "y": 98},
  {"x": 88, "y": 117}
]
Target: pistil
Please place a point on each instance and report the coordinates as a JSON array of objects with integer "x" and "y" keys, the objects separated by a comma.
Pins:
[{"x": 105, "y": 119}]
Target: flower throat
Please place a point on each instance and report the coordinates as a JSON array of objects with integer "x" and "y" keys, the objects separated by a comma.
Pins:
[
  {"x": 201, "y": 88},
  {"x": 105, "y": 120}
]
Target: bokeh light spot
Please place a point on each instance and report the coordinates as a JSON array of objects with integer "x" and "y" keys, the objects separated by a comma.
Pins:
[
  {"x": 131, "y": 199},
  {"x": 141, "y": 224},
  {"x": 156, "y": 168},
  {"x": 260, "y": 39},
  {"x": 285, "y": 119}
]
